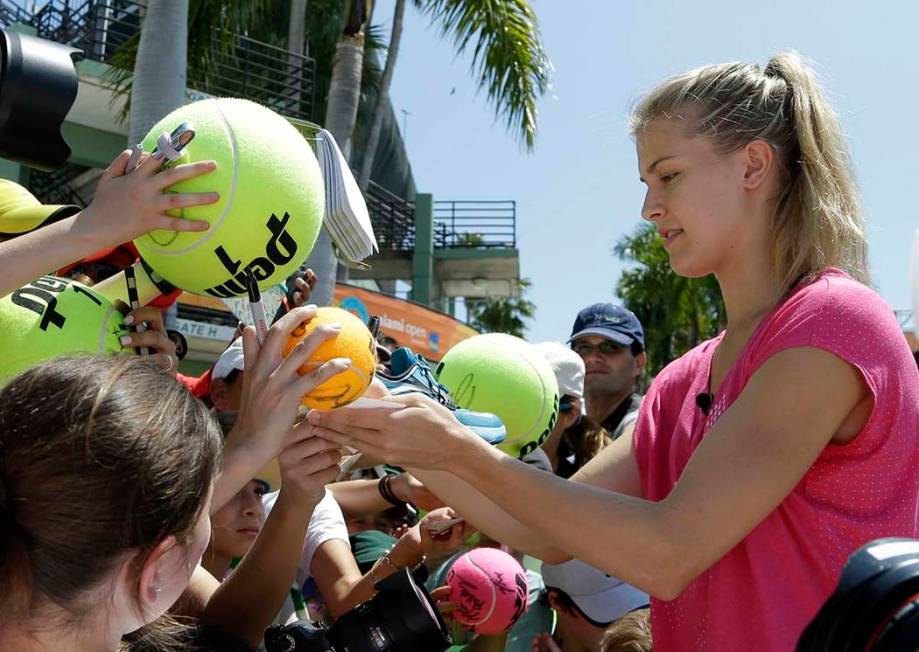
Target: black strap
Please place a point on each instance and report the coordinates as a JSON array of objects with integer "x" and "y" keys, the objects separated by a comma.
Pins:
[{"x": 613, "y": 420}]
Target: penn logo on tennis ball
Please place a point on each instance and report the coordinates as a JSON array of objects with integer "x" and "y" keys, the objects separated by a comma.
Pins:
[
  {"x": 279, "y": 250},
  {"x": 40, "y": 296},
  {"x": 539, "y": 441}
]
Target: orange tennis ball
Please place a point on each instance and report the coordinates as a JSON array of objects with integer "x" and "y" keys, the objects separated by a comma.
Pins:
[{"x": 354, "y": 342}]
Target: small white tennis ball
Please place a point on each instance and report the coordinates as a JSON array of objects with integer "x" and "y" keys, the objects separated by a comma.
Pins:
[
  {"x": 271, "y": 200},
  {"x": 508, "y": 377}
]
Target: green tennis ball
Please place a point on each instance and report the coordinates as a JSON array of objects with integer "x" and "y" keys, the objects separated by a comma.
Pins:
[
  {"x": 508, "y": 377},
  {"x": 271, "y": 200},
  {"x": 51, "y": 317}
]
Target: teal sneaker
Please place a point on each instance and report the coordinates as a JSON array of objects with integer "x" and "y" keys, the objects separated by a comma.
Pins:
[{"x": 410, "y": 374}]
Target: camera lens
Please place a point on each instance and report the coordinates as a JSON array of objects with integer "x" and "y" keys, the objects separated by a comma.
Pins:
[
  {"x": 875, "y": 608},
  {"x": 401, "y": 616}
]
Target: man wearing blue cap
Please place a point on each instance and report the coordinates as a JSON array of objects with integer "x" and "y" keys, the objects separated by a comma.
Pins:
[{"x": 611, "y": 341}]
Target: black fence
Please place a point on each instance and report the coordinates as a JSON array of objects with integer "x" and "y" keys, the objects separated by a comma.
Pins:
[
  {"x": 54, "y": 187},
  {"x": 475, "y": 224},
  {"x": 237, "y": 65},
  {"x": 457, "y": 224},
  {"x": 392, "y": 217}
]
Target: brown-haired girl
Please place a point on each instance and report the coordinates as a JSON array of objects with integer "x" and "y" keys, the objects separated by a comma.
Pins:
[{"x": 106, "y": 469}]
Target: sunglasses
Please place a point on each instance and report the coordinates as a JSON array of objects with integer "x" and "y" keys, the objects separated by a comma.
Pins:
[{"x": 605, "y": 347}]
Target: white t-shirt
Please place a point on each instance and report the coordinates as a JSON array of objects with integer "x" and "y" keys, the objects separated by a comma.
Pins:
[{"x": 326, "y": 523}]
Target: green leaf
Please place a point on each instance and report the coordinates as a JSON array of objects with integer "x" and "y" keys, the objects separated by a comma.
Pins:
[
  {"x": 677, "y": 313},
  {"x": 508, "y": 59}
]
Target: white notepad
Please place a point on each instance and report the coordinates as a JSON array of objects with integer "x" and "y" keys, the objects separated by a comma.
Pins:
[{"x": 346, "y": 217}]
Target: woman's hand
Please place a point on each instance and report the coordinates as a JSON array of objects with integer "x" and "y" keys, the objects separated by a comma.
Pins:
[
  {"x": 128, "y": 204},
  {"x": 272, "y": 387},
  {"x": 153, "y": 336},
  {"x": 423, "y": 434}
]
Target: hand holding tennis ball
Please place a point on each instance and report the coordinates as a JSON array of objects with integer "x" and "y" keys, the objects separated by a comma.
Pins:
[
  {"x": 273, "y": 388},
  {"x": 270, "y": 208},
  {"x": 354, "y": 342},
  {"x": 128, "y": 205}
]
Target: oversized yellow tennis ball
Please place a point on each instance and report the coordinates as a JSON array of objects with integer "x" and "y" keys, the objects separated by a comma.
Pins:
[
  {"x": 271, "y": 200},
  {"x": 508, "y": 377},
  {"x": 354, "y": 342},
  {"x": 51, "y": 317}
]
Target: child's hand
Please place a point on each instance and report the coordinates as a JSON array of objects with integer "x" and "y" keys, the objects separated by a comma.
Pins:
[
  {"x": 153, "y": 336},
  {"x": 443, "y": 544},
  {"x": 272, "y": 386},
  {"x": 417, "y": 542},
  {"x": 441, "y": 598},
  {"x": 307, "y": 464},
  {"x": 304, "y": 284},
  {"x": 130, "y": 204}
]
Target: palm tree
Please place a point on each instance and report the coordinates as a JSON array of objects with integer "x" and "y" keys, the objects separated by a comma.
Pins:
[
  {"x": 177, "y": 41},
  {"x": 503, "y": 315},
  {"x": 345, "y": 86},
  {"x": 158, "y": 84},
  {"x": 376, "y": 123},
  {"x": 677, "y": 312},
  {"x": 508, "y": 61},
  {"x": 296, "y": 35}
]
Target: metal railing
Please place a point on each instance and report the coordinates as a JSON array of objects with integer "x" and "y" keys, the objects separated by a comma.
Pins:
[
  {"x": 457, "y": 224},
  {"x": 392, "y": 217},
  {"x": 475, "y": 224},
  {"x": 238, "y": 66},
  {"x": 55, "y": 187}
]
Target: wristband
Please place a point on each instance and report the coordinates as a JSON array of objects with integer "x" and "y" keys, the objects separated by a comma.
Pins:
[
  {"x": 379, "y": 562},
  {"x": 387, "y": 492}
]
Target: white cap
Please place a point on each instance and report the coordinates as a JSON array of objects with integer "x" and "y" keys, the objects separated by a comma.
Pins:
[
  {"x": 601, "y": 597},
  {"x": 567, "y": 365},
  {"x": 229, "y": 360}
]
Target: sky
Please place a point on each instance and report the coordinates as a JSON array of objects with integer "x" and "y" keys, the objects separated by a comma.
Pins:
[{"x": 578, "y": 192}]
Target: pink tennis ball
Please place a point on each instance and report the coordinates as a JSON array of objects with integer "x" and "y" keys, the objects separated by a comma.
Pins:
[{"x": 490, "y": 590}]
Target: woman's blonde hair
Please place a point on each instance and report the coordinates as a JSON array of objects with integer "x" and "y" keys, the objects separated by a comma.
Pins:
[{"x": 817, "y": 221}]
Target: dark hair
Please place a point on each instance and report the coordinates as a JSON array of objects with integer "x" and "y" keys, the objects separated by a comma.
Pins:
[
  {"x": 98, "y": 456},
  {"x": 568, "y": 604},
  {"x": 231, "y": 377}
]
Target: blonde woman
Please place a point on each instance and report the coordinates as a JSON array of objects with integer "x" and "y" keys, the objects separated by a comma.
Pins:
[{"x": 762, "y": 458}]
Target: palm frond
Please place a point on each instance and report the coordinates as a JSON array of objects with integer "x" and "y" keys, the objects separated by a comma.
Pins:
[{"x": 508, "y": 59}]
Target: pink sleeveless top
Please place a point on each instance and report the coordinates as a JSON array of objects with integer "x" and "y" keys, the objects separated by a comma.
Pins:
[{"x": 762, "y": 593}]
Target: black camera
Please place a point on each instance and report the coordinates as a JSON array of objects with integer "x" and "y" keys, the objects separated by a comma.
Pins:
[
  {"x": 38, "y": 84},
  {"x": 401, "y": 616},
  {"x": 875, "y": 607}
]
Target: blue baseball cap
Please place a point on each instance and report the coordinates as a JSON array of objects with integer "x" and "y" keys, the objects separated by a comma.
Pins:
[{"x": 608, "y": 320}]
